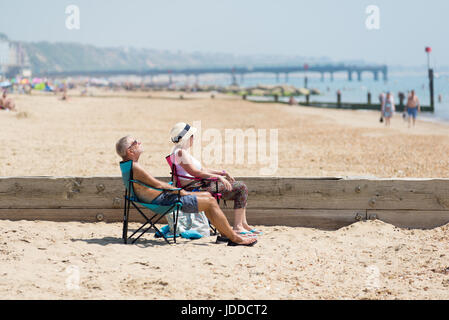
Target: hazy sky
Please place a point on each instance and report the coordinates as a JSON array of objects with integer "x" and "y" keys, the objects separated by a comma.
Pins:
[{"x": 331, "y": 28}]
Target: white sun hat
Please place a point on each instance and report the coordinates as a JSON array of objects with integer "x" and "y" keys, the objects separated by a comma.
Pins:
[{"x": 181, "y": 132}]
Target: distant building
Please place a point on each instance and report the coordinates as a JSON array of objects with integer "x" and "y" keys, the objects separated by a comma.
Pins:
[
  {"x": 4, "y": 55},
  {"x": 13, "y": 58}
]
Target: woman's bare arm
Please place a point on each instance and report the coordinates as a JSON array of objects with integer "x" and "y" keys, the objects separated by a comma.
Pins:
[{"x": 204, "y": 173}]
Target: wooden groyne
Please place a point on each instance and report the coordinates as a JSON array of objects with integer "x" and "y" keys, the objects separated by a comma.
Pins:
[
  {"x": 325, "y": 203},
  {"x": 337, "y": 105}
]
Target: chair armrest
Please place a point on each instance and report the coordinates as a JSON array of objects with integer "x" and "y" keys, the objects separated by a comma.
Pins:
[
  {"x": 150, "y": 187},
  {"x": 197, "y": 179}
]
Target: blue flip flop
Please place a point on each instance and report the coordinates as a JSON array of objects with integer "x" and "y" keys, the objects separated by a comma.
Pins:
[{"x": 255, "y": 231}]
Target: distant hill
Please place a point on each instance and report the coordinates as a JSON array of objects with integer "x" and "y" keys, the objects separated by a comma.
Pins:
[{"x": 50, "y": 57}]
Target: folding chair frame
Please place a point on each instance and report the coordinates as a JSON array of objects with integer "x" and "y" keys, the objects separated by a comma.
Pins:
[{"x": 130, "y": 199}]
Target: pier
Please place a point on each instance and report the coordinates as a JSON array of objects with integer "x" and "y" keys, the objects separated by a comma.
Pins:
[{"x": 239, "y": 72}]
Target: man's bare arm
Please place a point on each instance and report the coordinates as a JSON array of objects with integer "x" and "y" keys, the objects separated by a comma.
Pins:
[{"x": 143, "y": 176}]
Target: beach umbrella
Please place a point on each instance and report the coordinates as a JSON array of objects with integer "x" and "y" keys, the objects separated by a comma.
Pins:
[
  {"x": 39, "y": 86},
  {"x": 5, "y": 84}
]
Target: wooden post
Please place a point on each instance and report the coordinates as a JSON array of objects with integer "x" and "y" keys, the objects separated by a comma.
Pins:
[
  {"x": 432, "y": 101},
  {"x": 401, "y": 97}
]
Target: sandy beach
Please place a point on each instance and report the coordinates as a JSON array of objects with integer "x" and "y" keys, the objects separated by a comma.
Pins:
[
  {"x": 51, "y": 137},
  {"x": 366, "y": 260},
  {"x": 72, "y": 260}
]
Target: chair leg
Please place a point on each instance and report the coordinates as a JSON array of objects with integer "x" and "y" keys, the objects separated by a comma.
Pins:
[
  {"x": 143, "y": 232},
  {"x": 125, "y": 221},
  {"x": 163, "y": 236},
  {"x": 175, "y": 224}
]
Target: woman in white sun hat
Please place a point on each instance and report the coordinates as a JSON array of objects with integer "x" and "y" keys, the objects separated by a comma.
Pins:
[{"x": 182, "y": 135}]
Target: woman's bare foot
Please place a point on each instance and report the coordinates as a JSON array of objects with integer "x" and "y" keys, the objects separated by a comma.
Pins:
[
  {"x": 251, "y": 229},
  {"x": 239, "y": 230}
]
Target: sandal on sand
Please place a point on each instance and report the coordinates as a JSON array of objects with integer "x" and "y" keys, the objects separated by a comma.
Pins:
[
  {"x": 247, "y": 233},
  {"x": 233, "y": 244},
  {"x": 255, "y": 231},
  {"x": 221, "y": 239}
]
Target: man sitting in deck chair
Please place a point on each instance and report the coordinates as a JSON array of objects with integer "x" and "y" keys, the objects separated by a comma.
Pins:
[{"x": 130, "y": 149}]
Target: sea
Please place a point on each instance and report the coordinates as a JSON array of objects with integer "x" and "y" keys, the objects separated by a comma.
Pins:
[{"x": 357, "y": 91}]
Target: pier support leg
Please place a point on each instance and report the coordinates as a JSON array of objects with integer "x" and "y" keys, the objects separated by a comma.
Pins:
[
  {"x": 234, "y": 79},
  {"x": 332, "y": 77},
  {"x": 322, "y": 77},
  {"x": 376, "y": 76},
  {"x": 286, "y": 77},
  {"x": 359, "y": 76},
  {"x": 349, "y": 75}
]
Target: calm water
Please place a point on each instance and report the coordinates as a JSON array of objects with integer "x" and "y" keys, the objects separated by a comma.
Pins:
[{"x": 355, "y": 91}]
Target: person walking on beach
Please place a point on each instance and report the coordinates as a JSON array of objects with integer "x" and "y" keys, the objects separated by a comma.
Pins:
[
  {"x": 413, "y": 107},
  {"x": 388, "y": 108},
  {"x": 381, "y": 99},
  {"x": 129, "y": 148},
  {"x": 292, "y": 101}
]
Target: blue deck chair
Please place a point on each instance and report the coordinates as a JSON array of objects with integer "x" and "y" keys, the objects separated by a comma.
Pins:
[{"x": 159, "y": 211}]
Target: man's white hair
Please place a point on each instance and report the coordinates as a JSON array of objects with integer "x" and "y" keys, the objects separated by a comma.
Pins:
[{"x": 122, "y": 145}]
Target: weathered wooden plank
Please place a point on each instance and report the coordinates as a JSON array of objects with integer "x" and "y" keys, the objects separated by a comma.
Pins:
[
  {"x": 264, "y": 193},
  {"x": 320, "y": 219},
  {"x": 64, "y": 192},
  {"x": 69, "y": 214},
  {"x": 411, "y": 218},
  {"x": 323, "y": 219},
  {"x": 349, "y": 194}
]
